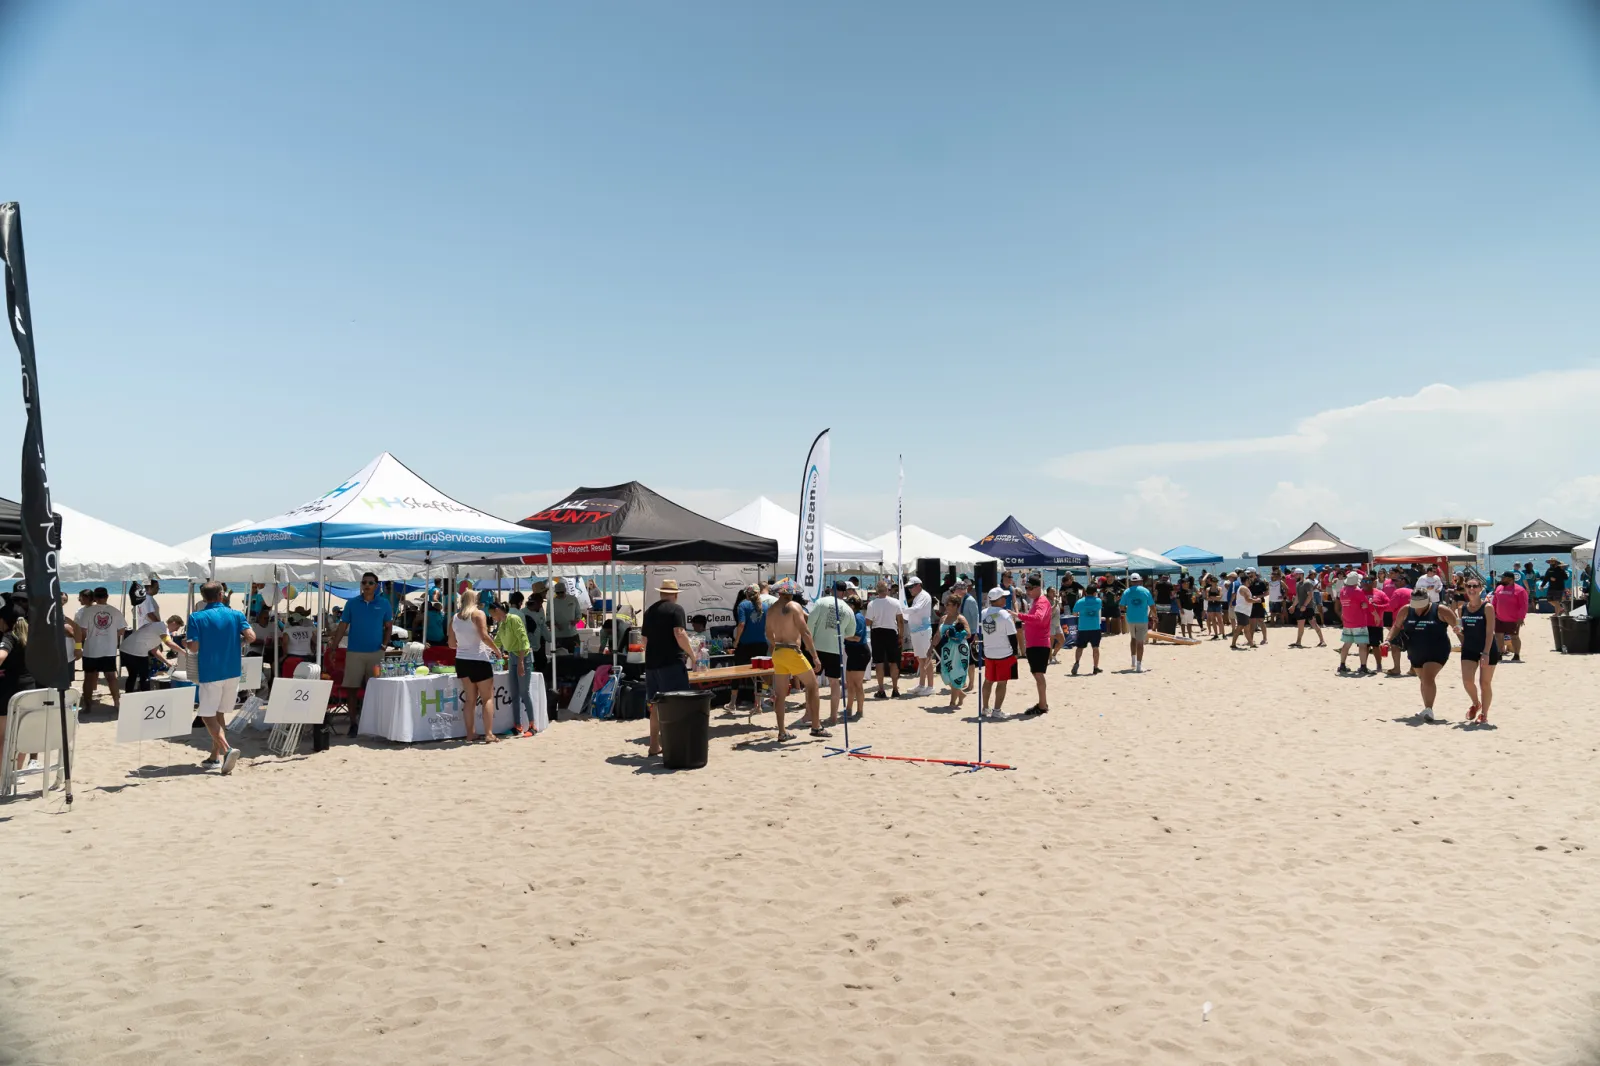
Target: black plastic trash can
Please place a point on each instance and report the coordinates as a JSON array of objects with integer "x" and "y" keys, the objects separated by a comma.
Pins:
[{"x": 685, "y": 719}]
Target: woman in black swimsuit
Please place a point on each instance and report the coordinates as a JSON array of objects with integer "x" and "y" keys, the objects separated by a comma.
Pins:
[
  {"x": 1427, "y": 642},
  {"x": 1477, "y": 664}
]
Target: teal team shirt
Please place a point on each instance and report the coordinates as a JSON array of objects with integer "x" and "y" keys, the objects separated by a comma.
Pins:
[{"x": 1138, "y": 600}]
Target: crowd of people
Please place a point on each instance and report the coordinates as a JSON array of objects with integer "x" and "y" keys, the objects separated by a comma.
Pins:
[{"x": 849, "y": 640}]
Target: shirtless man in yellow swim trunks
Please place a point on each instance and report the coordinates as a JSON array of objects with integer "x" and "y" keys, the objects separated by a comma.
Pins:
[{"x": 793, "y": 656}]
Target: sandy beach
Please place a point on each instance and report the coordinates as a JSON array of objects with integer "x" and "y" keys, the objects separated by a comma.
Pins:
[{"x": 1340, "y": 882}]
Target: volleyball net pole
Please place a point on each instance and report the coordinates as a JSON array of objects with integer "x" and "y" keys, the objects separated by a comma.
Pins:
[{"x": 971, "y": 766}]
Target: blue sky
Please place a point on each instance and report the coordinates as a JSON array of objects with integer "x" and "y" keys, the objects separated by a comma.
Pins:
[{"x": 532, "y": 246}]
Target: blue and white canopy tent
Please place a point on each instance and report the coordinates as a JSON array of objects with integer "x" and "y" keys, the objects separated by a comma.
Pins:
[
  {"x": 385, "y": 513},
  {"x": 1189, "y": 555},
  {"x": 1015, "y": 546}
]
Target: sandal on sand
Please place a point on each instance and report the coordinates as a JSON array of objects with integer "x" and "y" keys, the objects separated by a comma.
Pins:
[
  {"x": 783, "y": 735},
  {"x": 652, "y": 753},
  {"x": 821, "y": 733}
]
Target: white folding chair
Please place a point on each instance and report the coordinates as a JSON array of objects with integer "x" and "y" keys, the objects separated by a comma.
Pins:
[
  {"x": 249, "y": 677},
  {"x": 285, "y": 737},
  {"x": 33, "y": 724}
]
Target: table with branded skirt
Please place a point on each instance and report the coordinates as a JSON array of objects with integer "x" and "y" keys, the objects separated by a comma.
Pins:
[{"x": 413, "y": 709}]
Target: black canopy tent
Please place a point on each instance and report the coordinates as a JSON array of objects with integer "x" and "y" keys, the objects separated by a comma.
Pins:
[
  {"x": 632, "y": 524},
  {"x": 1315, "y": 545},
  {"x": 1535, "y": 537}
]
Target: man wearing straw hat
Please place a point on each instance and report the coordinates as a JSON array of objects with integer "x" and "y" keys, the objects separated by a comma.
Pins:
[{"x": 666, "y": 652}]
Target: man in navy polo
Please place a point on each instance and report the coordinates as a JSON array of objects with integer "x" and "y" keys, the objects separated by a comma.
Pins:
[{"x": 369, "y": 622}]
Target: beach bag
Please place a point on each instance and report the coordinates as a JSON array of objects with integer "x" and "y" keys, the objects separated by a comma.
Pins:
[{"x": 600, "y": 705}]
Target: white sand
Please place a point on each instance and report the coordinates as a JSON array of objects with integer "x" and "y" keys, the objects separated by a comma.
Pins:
[{"x": 1240, "y": 828}]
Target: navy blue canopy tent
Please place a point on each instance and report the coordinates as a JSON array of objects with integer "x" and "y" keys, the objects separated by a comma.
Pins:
[
  {"x": 1189, "y": 555},
  {"x": 1014, "y": 545}
]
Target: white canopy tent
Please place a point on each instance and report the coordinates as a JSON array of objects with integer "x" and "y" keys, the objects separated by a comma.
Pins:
[
  {"x": 1584, "y": 552},
  {"x": 1099, "y": 558},
  {"x": 385, "y": 513},
  {"x": 918, "y": 543},
  {"x": 840, "y": 550},
  {"x": 93, "y": 550},
  {"x": 1420, "y": 549},
  {"x": 1145, "y": 559}
]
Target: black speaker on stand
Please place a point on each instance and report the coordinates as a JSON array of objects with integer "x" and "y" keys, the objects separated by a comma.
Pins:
[
  {"x": 987, "y": 575},
  {"x": 928, "y": 571}
]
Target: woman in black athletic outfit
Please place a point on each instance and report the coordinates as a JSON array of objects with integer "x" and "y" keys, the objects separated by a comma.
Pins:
[
  {"x": 1427, "y": 642},
  {"x": 1477, "y": 664}
]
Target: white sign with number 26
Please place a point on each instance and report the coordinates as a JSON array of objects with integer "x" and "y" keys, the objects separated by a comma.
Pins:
[
  {"x": 156, "y": 714},
  {"x": 299, "y": 700}
]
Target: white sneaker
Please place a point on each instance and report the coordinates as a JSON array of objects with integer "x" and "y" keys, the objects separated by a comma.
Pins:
[
  {"x": 32, "y": 767},
  {"x": 1427, "y": 715}
]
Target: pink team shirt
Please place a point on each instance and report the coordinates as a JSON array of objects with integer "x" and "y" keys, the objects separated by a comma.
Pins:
[
  {"x": 1036, "y": 624},
  {"x": 1355, "y": 608},
  {"x": 1510, "y": 604}
]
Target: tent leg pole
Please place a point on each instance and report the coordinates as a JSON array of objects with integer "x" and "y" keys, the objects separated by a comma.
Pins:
[
  {"x": 321, "y": 590},
  {"x": 427, "y": 594}
]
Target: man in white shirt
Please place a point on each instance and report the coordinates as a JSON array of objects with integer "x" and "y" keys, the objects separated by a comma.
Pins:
[
  {"x": 919, "y": 627},
  {"x": 1432, "y": 584},
  {"x": 100, "y": 626},
  {"x": 886, "y": 620},
  {"x": 999, "y": 631},
  {"x": 142, "y": 640}
]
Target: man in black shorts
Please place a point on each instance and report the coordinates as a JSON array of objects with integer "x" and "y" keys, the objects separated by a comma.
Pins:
[
  {"x": 886, "y": 620},
  {"x": 832, "y": 622},
  {"x": 666, "y": 653}
]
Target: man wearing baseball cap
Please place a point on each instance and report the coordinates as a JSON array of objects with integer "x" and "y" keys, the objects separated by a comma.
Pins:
[
  {"x": 999, "y": 632},
  {"x": 1135, "y": 604},
  {"x": 919, "y": 628},
  {"x": 832, "y": 622}
]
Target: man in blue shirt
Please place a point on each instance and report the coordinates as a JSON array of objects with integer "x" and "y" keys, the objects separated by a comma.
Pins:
[
  {"x": 1087, "y": 608},
  {"x": 217, "y": 636},
  {"x": 1136, "y": 603},
  {"x": 369, "y": 621}
]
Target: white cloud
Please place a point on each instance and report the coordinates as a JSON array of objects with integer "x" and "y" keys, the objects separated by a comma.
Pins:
[{"x": 1508, "y": 450}]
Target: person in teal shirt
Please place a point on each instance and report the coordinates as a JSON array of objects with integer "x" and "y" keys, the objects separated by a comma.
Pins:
[
  {"x": 1087, "y": 607},
  {"x": 1136, "y": 603}
]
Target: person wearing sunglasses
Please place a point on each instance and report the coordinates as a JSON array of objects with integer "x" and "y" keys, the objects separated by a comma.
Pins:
[
  {"x": 368, "y": 620},
  {"x": 1480, "y": 650}
]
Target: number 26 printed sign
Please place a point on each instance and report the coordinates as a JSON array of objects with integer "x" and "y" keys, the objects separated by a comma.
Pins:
[
  {"x": 153, "y": 715},
  {"x": 298, "y": 700}
]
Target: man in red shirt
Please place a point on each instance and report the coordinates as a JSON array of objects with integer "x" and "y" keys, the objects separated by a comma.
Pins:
[{"x": 1510, "y": 611}]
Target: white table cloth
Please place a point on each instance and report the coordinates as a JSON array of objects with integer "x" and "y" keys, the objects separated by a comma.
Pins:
[{"x": 410, "y": 709}]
